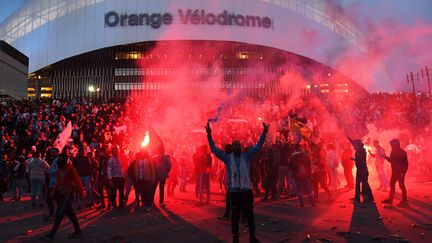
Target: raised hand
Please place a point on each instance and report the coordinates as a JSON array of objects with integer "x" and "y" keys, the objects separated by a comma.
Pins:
[
  {"x": 208, "y": 128},
  {"x": 266, "y": 127}
]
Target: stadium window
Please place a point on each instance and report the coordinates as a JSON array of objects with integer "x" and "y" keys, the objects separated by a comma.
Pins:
[
  {"x": 46, "y": 89},
  {"x": 31, "y": 89},
  {"x": 128, "y": 55},
  {"x": 46, "y": 95},
  {"x": 242, "y": 55}
]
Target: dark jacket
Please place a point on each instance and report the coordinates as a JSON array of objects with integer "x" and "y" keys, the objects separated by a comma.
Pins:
[
  {"x": 285, "y": 153},
  {"x": 360, "y": 159},
  {"x": 399, "y": 161},
  {"x": 162, "y": 166},
  {"x": 300, "y": 164},
  {"x": 4, "y": 169},
  {"x": 133, "y": 171},
  {"x": 20, "y": 172},
  {"x": 103, "y": 166},
  {"x": 82, "y": 165}
]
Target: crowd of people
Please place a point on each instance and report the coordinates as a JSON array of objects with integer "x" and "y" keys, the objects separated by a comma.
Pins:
[{"x": 305, "y": 150}]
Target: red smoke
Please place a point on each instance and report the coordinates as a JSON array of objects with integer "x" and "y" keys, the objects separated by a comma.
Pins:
[{"x": 193, "y": 83}]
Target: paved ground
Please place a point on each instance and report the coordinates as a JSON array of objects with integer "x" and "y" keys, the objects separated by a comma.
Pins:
[{"x": 182, "y": 220}]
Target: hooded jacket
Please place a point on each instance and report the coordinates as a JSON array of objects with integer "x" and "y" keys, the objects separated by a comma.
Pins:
[{"x": 398, "y": 158}]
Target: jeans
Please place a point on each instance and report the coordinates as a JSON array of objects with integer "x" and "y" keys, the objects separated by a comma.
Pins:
[
  {"x": 227, "y": 204},
  {"x": 348, "y": 175},
  {"x": 144, "y": 189},
  {"x": 183, "y": 181},
  {"x": 118, "y": 185},
  {"x": 17, "y": 187},
  {"x": 129, "y": 184},
  {"x": 50, "y": 201},
  {"x": 284, "y": 179},
  {"x": 172, "y": 183},
  {"x": 3, "y": 188},
  {"x": 205, "y": 186},
  {"x": 37, "y": 186},
  {"x": 398, "y": 177},
  {"x": 304, "y": 187},
  {"x": 319, "y": 178},
  {"x": 362, "y": 179},
  {"x": 86, "y": 182},
  {"x": 197, "y": 185},
  {"x": 161, "y": 183},
  {"x": 333, "y": 178},
  {"x": 382, "y": 176},
  {"x": 65, "y": 208},
  {"x": 242, "y": 201},
  {"x": 101, "y": 185}
]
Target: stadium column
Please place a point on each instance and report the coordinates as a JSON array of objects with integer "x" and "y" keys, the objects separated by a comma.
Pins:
[{"x": 37, "y": 88}]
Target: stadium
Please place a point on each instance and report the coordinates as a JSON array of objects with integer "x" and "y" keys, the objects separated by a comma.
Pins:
[
  {"x": 215, "y": 120},
  {"x": 109, "y": 48}
]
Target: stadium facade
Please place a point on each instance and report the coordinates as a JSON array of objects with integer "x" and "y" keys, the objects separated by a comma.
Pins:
[
  {"x": 109, "y": 48},
  {"x": 13, "y": 72}
]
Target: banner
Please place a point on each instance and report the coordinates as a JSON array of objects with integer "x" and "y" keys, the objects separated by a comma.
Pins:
[
  {"x": 120, "y": 129},
  {"x": 63, "y": 137}
]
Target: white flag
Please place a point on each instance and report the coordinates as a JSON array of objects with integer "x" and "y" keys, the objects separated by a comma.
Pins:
[
  {"x": 120, "y": 129},
  {"x": 63, "y": 137}
]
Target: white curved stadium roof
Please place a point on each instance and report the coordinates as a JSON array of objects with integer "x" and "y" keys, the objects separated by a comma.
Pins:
[{"x": 36, "y": 13}]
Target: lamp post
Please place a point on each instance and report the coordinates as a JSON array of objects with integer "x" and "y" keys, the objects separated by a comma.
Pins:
[
  {"x": 411, "y": 78},
  {"x": 425, "y": 73}
]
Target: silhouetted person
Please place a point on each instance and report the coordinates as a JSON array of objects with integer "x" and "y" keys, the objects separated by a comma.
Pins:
[
  {"x": 205, "y": 164},
  {"x": 68, "y": 183},
  {"x": 227, "y": 214},
  {"x": 238, "y": 170},
  {"x": 348, "y": 165},
  {"x": 83, "y": 166},
  {"x": 301, "y": 166},
  {"x": 399, "y": 164},
  {"x": 270, "y": 159},
  {"x": 162, "y": 165},
  {"x": 319, "y": 175},
  {"x": 362, "y": 173},
  {"x": 143, "y": 175},
  {"x": 116, "y": 178}
]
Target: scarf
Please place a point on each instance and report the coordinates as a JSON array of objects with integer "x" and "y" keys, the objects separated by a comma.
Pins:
[{"x": 240, "y": 180}]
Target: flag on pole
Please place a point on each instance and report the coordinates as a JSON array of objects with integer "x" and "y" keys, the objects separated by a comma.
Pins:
[
  {"x": 299, "y": 128},
  {"x": 63, "y": 137}
]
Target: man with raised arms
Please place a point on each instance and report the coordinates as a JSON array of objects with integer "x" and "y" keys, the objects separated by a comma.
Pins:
[{"x": 238, "y": 170}]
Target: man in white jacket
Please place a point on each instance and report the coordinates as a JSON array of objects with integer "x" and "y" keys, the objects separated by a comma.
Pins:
[{"x": 36, "y": 169}]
